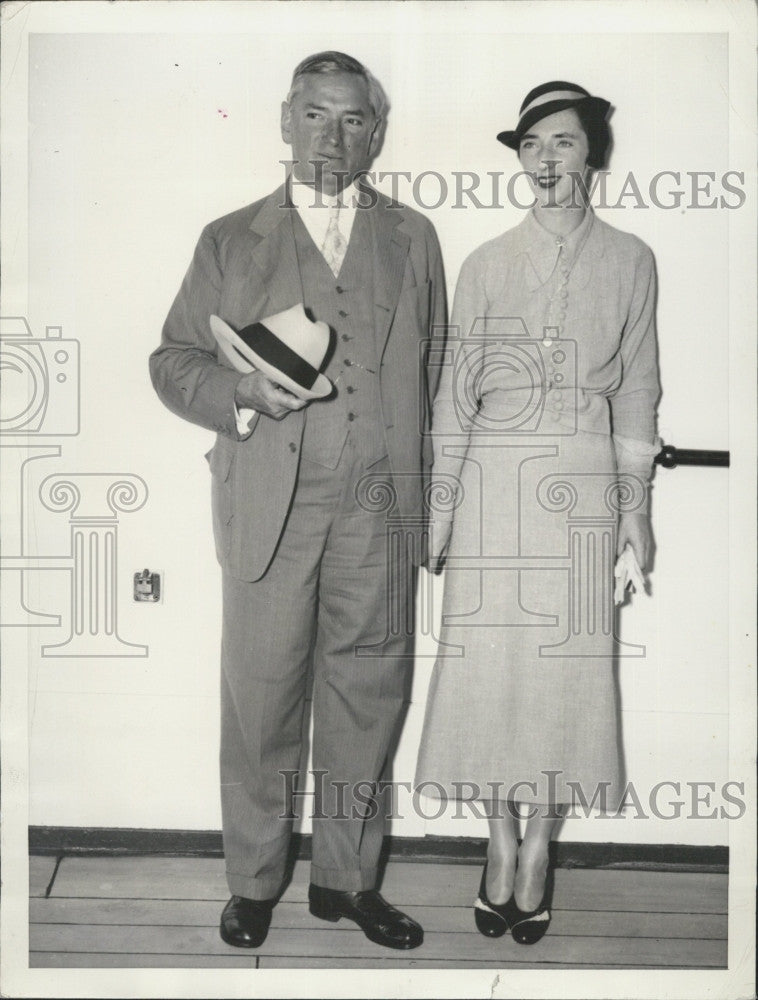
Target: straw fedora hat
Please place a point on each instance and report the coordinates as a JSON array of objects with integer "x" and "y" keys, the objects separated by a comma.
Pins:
[{"x": 287, "y": 347}]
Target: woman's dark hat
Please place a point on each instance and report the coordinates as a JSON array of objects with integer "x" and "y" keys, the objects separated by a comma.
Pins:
[
  {"x": 546, "y": 100},
  {"x": 287, "y": 347}
]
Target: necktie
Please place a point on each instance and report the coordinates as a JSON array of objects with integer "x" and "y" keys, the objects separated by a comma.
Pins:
[{"x": 335, "y": 245}]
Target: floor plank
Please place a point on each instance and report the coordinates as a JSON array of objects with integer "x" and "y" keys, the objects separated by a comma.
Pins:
[
  {"x": 404, "y": 884},
  {"x": 41, "y": 870},
  {"x": 98, "y": 960},
  {"x": 205, "y": 913},
  {"x": 84, "y": 960},
  {"x": 142, "y": 878},
  {"x": 292, "y": 962}
]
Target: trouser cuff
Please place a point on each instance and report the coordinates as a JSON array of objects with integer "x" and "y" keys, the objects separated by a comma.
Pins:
[
  {"x": 344, "y": 881},
  {"x": 253, "y": 888}
]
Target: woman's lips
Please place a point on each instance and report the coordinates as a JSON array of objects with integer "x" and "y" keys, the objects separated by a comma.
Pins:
[{"x": 547, "y": 182}]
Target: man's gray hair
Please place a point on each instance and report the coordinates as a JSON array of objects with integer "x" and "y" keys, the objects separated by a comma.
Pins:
[{"x": 340, "y": 62}]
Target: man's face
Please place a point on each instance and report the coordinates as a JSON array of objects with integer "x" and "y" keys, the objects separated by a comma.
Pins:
[{"x": 329, "y": 121}]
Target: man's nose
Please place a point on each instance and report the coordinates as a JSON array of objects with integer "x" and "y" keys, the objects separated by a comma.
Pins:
[{"x": 332, "y": 133}]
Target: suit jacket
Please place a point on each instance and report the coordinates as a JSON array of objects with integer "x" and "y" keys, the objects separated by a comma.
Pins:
[{"x": 244, "y": 269}]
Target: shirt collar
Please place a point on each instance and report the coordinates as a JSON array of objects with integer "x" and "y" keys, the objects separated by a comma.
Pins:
[
  {"x": 543, "y": 241},
  {"x": 543, "y": 247},
  {"x": 304, "y": 197}
]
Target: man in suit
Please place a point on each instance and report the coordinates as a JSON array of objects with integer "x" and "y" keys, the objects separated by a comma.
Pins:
[{"x": 307, "y": 581}]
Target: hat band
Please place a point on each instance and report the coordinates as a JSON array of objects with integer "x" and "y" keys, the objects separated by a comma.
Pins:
[
  {"x": 554, "y": 95},
  {"x": 275, "y": 352}
]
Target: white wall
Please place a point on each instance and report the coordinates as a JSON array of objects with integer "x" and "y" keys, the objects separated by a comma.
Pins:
[{"x": 136, "y": 140}]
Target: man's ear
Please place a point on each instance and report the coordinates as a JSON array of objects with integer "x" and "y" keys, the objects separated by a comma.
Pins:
[{"x": 286, "y": 122}]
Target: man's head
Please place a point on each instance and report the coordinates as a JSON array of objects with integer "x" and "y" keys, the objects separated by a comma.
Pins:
[{"x": 332, "y": 118}]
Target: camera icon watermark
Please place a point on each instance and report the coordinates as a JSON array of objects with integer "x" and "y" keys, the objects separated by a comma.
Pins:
[
  {"x": 530, "y": 381},
  {"x": 40, "y": 379}
]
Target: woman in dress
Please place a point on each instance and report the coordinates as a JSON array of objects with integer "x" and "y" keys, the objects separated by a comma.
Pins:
[{"x": 544, "y": 424}]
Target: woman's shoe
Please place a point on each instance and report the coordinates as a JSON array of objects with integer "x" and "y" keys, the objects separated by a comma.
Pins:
[
  {"x": 529, "y": 926},
  {"x": 492, "y": 919}
]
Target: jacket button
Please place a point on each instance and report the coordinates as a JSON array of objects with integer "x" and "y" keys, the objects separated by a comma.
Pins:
[
  {"x": 351, "y": 417},
  {"x": 293, "y": 446}
]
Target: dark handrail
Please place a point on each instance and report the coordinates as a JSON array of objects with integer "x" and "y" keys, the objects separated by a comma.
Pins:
[{"x": 670, "y": 457}]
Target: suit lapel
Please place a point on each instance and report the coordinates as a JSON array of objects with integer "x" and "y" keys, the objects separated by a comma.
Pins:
[
  {"x": 390, "y": 245},
  {"x": 275, "y": 256}
]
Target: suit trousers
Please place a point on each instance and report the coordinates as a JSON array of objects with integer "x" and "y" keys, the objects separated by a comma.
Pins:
[{"x": 331, "y": 589}]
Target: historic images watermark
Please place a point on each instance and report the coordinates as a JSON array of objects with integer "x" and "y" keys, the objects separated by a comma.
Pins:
[
  {"x": 666, "y": 800},
  {"x": 464, "y": 189},
  {"x": 41, "y": 402}
]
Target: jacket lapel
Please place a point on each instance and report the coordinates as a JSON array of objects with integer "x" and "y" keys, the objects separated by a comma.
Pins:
[
  {"x": 274, "y": 256},
  {"x": 390, "y": 244}
]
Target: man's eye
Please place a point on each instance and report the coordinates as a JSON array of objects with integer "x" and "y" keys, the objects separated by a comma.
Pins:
[
  {"x": 312, "y": 114},
  {"x": 356, "y": 122}
]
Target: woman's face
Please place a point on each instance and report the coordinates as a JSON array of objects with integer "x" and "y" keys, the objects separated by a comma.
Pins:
[{"x": 554, "y": 153}]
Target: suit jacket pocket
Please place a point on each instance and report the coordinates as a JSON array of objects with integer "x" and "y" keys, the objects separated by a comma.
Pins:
[{"x": 221, "y": 461}]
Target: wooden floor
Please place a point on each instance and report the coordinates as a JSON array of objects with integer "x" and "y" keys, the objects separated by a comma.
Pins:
[{"x": 163, "y": 912}]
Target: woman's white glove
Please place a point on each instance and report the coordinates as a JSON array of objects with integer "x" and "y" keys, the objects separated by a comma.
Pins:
[
  {"x": 634, "y": 530},
  {"x": 627, "y": 574}
]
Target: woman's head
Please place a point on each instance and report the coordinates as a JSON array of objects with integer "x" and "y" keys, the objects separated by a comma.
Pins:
[{"x": 561, "y": 135}]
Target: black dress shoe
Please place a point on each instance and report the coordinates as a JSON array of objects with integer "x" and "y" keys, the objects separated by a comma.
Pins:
[
  {"x": 245, "y": 922},
  {"x": 379, "y": 921},
  {"x": 491, "y": 918}
]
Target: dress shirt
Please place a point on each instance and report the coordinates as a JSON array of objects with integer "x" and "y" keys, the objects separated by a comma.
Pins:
[{"x": 314, "y": 209}]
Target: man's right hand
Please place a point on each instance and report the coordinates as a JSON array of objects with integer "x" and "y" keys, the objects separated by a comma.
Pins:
[{"x": 257, "y": 392}]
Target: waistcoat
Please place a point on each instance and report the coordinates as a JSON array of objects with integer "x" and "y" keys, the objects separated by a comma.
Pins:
[{"x": 346, "y": 305}]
